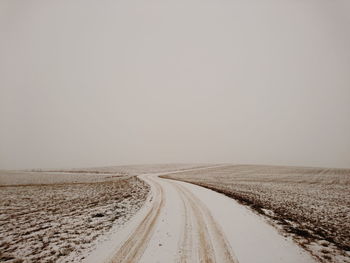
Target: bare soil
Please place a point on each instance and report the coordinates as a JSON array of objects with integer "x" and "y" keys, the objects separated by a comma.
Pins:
[{"x": 49, "y": 223}]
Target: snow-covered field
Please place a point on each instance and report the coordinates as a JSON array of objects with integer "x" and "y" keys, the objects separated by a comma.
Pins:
[
  {"x": 87, "y": 215},
  {"x": 182, "y": 222},
  {"x": 86, "y": 175},
  {"x": 46, "y": 177},
  {"x": 310, "y": 204},
  {"x": 140, "y": 168},
  {"x": 52, "y": 220},
  {"x": 61, "y": 215}
]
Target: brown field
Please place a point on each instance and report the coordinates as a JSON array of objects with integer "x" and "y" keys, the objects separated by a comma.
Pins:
[
  {"x": 138, "y": 169},
  {"x": 310, "y": 204},
  {"x": 59, "y": 215},
  {"x": 86, "y": 175},
  {"x": 50, "y": 222}
]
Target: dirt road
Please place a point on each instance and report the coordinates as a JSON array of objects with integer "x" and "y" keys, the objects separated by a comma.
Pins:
[{"x": 186, "y": 223}]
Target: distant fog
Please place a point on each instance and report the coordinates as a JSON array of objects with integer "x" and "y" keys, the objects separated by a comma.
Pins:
[{"x": 95, "y": 83}]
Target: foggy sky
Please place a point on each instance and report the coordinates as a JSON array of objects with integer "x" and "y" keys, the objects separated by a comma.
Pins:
[{"x": 91, "y": 83}]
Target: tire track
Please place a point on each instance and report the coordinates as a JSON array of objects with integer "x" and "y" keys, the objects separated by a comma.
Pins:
[
  {"x": 198, "y": 230},
  {"x": 133, "y": 248},
  {"x": 201, "y": 239},
  {"x": 212, "y": 245},
  {"x": 186, "y": 240}
]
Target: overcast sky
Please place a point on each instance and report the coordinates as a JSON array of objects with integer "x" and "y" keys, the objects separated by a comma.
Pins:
[{"x": 91, "y": 83}]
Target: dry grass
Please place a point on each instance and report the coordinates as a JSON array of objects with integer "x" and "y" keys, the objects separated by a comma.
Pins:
[{"x": 311, "y": 204}]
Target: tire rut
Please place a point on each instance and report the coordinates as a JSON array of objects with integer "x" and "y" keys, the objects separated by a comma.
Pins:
[
  {"x": 133, "y": 248},
  {"x": 212, "y": 244},
  {"x": 201, "y": 240}
]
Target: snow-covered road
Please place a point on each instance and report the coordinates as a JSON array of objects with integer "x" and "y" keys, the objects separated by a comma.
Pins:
[{"x": 182, "y": 222}]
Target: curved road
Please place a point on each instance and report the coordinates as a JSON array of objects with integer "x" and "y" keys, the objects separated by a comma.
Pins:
[{"x": 182, "y": 222}]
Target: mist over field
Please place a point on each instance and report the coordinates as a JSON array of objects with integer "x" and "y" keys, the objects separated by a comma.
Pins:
[
  {"x": 86, "y": 83},
  {"x": 195, "y": 131}
]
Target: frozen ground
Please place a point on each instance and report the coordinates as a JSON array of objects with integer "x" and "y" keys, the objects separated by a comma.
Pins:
[
  {"x": 86, "y": 175},
  {"x": 30, "y": 178},
  {"x": 86, "y": 215},
  {"x": 310, "y": 204},
  {"x": 183, "y": 222},
  {"x": 141, "y": 168},
  {"x": 62, "y": 222},
  {"x": 61, "y": 215}
]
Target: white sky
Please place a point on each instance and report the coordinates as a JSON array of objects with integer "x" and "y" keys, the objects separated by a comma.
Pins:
[{"x": 91, "y": 83}]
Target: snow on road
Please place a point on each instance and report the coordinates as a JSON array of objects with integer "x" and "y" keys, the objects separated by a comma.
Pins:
[{"x": 182, "y": 222}]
